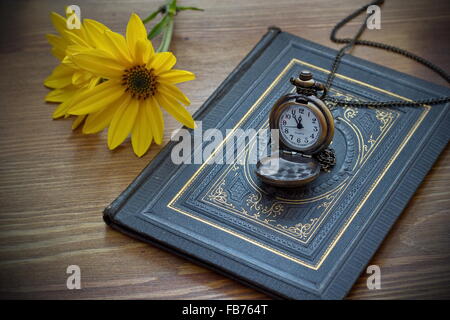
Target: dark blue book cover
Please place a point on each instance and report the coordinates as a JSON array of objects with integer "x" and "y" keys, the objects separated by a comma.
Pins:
[{"x": 305, "y": 243}]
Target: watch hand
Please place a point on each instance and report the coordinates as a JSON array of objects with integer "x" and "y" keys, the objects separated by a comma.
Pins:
[
  {"x": 295, "y": 118},
  {"x": 299, "y": 123}
]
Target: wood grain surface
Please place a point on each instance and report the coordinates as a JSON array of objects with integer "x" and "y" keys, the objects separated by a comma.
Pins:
[{"x": 54, "y": 183}]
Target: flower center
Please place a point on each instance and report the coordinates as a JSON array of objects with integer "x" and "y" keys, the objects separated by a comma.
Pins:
[{"x": 140, "y": 82}]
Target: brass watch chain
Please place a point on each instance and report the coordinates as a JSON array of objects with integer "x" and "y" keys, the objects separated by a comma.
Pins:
[
  {"x": 327, "y": 158},
  {"x": 350, "y": 43}
]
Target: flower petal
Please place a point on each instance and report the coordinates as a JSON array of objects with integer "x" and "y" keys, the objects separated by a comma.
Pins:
[
  {"x": 60, "y": 77},
  {"x": 142, "y": 52},
  {"x": 135, "y": 31},
  {"x": 172, "y": 106},
  {"x": 98, "y": 63},
  {"x": 93, "y": 82},
  {"x": 118, "y": 47},
  {"x": 162, "y": 61},
  {"x": 76, "y": 39},
  {"x": 171, "y": 90},
  {"x": 156, "y": 119},
  {"x": 72, "y": 50},
  {"x": 94, "y": 24},
  {"x": 58, "y": 44},
  {"x": 176, "y": 76},
  {"x": 61, "y": 110},
  {"x": 141, "y": 135},
  {"x": 79, "y": 78},
  {"x": 58, "y": 22},
  {"x": 99, "y": 120},
  {"x": 79, "y": 120},
  {"x": 95, "y": 33},
  {"x": 122, "y": 122},
  {"x": 61, "y": 95},
  {"x": 96, "y": 98}
]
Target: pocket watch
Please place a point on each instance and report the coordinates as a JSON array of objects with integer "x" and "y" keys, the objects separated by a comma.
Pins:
[{"x": 305, "y": 130}]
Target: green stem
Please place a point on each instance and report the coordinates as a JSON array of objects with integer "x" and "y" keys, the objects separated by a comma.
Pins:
[
  {"x": 189, "y": 8},
  {"x": 165, "y": 25},
  {"x": 167, "y": 36},
  {"x": 152, "y": 16}
]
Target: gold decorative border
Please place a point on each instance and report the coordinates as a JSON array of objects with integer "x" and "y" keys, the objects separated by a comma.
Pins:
[
  {"x": 354, "y": 213},
  {"x": 363, "y": 156},
  {"x": 216, "y": 195}
]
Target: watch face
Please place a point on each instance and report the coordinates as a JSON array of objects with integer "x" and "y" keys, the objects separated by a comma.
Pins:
[{"x": 300, "y": 128}]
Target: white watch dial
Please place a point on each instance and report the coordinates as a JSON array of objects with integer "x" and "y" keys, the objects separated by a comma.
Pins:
[{"x": 299, "y": 127}]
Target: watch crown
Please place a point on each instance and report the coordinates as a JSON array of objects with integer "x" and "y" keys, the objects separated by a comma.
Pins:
[{"x": 305, "y": 75}]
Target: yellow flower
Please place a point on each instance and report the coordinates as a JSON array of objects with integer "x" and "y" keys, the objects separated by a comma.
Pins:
[
  {"x": 67, "y": 79},
  {"x": 140, "y": 81}
]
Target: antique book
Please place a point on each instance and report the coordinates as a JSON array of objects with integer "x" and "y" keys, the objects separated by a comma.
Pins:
[{"x": 311, "y": 242}]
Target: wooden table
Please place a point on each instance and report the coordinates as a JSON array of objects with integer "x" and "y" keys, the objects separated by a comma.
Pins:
[{"x": 55, "y": 183}]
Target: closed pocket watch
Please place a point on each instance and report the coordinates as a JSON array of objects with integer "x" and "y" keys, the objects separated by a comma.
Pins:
[{"x": 305, "y": 130}]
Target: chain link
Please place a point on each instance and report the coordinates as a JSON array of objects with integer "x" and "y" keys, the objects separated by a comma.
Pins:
[
  {"x": 327, "y": 159},
  {"x": 351, "y": 42}
]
